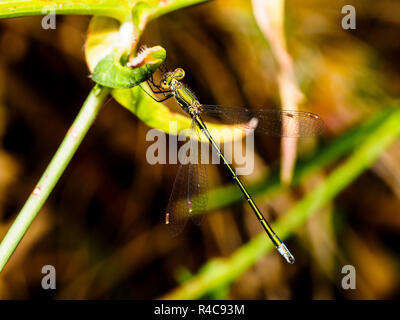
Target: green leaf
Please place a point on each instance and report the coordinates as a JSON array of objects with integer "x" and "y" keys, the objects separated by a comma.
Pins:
[{"x": 112, "y": 71}]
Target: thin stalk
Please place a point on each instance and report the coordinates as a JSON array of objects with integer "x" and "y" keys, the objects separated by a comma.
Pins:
[
  {"x": 53, "y": 172},
  {"x": 22, "y": 8},
  {"x": 173, "y": 6},
  {"x": 117, "y": 9}
]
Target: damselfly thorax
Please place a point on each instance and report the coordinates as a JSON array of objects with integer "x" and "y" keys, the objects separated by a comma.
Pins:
[{"x": 186, "y": 98}]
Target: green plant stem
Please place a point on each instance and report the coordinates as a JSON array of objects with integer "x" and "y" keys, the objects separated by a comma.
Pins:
[
  {"x": 221, "y": 272},
  {"x": 53, "y": 172},
  {"x": 173, "y": 5},
  {"x": 117, "y": 9}
]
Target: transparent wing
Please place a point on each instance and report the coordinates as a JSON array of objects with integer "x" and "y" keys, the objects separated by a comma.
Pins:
[
  {"x": 177, "y": 209},
  {"x": 279, "y": 123},
  {"x": 189, "y": 195},
  {"x": 198, "y": 179}
]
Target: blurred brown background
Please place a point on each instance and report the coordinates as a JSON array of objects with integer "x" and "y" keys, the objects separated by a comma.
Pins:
[{"x": 102, "y": 226}]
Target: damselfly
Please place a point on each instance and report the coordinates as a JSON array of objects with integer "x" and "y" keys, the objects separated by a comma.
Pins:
[{"x": 188, "y": 197}]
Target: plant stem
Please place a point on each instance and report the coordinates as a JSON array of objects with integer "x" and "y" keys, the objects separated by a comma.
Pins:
[
  {"x": 117, "y": 9},
  {"x": 21, "y": 8},
  {"x": 221, "y": 272},
  {"x": 53, "y": 172},
  {"x": 173, "y": 5}
]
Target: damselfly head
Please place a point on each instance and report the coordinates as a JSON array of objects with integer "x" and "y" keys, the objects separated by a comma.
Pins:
[{"x": 169, "y": 77}]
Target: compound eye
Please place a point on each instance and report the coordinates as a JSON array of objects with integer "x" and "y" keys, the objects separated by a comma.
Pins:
[
  {"x": 179, "y": 74},
  {"x": 164, "y": 84}
]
